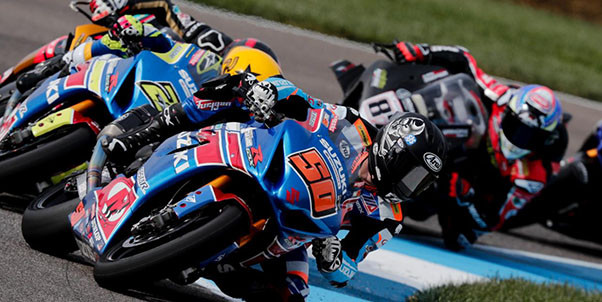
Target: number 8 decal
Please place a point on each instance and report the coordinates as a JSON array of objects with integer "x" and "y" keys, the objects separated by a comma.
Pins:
[{"x": 312, "y": 168}]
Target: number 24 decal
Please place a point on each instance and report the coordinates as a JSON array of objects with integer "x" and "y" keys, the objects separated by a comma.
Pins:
[
  {"x": 312, "y": 168},
  {"x": 162, "y": 94}
]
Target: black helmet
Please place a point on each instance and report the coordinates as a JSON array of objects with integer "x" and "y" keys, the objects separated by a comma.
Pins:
[{"x": 406, "y": 156}]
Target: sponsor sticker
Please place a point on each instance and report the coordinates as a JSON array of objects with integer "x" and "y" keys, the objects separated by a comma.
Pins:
[{"x": 433, "y": 161}]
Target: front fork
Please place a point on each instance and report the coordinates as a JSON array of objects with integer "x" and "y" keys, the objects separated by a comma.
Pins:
[{"x": 194, "y": 201}]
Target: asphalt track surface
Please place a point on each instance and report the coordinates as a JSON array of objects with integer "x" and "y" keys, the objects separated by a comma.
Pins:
[{"x": 26, "y": 275}]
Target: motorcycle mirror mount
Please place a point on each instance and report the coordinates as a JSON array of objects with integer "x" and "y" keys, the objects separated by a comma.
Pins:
[{"x": 75, "y": 6}]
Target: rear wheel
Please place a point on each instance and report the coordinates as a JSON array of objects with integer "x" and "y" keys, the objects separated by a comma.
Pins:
[
  {"x": 185, "y": 243},
  {"x": 45, "y": 223},
  {"x": 46, "y": 156}
]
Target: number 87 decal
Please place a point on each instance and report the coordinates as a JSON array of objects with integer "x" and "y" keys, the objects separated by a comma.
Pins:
[{"x": 312, "y": 168}]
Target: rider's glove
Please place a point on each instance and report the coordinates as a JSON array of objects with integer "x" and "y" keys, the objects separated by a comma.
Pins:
[
  {"x": 406, "y": 52},
  {"x": 260, "y": 100},
  {"x": 226, "y": 87},
  {"x": 461, "y": 221},
  {"x": 129, "y": 31},
  {"x": 328, "y": 253}
]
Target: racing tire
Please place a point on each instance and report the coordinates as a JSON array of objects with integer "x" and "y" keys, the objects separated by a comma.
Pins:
[
  {"x": 122, "y": 267},
  {"x": 6, "y": 92},
  {"x": 45, "y": 225},
  {"x": 45, "y": 157}
]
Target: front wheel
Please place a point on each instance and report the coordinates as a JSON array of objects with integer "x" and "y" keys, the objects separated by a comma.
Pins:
[
  {"x": 45, "y": 225},
  {"x": 186, "y": 243}
]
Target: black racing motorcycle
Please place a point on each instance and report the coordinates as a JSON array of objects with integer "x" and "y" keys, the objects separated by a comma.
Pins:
[{"x": 451, "y": 101}]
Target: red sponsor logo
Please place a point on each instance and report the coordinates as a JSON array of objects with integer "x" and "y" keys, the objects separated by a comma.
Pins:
[
  {"x": 114, "y": 201},
  {"x": 210, "y": 105},
  {"x": 292, "y": 196},
  {"x": 196, "y": 57}
]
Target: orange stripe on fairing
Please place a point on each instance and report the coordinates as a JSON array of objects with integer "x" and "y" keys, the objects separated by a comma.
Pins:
[{"x": 299, "y": 274}]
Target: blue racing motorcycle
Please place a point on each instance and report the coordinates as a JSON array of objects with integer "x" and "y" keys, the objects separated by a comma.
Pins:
[
  {"x": 51, "y": 130},
  {"x": 234, "y": 192}
]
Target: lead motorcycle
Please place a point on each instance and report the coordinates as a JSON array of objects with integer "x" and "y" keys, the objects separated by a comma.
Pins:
[
  {"x": 223, "y": 194},
  {"x": 53, "y": 128},
  {"x": 47, "y": 56}
]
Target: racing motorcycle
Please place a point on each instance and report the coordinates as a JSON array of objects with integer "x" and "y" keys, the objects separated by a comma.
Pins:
[
  {"x": 52, "y": 52},
  {"x": 229, "y": 193},
  {"x": 53, "y": 129},
  {"x": 571, "y": 201},
  {"x": 451, "y": 101}
]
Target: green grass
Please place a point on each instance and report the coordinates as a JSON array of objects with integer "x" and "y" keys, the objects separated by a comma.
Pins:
[
  {"x": 505, "y": 290},
  {"x": 507, "y": 39}
]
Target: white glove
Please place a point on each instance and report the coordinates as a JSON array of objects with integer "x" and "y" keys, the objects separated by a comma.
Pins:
[{"x": 260, "y": 100}]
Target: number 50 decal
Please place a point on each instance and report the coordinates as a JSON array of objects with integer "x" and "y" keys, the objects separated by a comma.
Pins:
[
  {"x": 162, "y": 94},
  {"x": 312, "y": 168}
]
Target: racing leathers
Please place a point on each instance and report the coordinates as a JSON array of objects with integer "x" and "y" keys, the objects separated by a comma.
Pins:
[
  {"x": 164, "y": 14},
  {"x": 117, "y": 42},
  {"x": 487, "y": 189},
  {"x": 371, "y": 221}
]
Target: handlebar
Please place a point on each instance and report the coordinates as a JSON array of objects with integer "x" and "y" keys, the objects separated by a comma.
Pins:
[{"x": 386, "y": 49}]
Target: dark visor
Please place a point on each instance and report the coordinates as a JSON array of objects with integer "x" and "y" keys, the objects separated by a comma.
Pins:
[
  {"x": 414, "y": 181},
  {"x": 522, "y": 135}
]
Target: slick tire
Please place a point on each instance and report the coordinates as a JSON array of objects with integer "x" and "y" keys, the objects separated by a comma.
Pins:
[
  {"x": 5, "y": 93},
  {"x": 45, "y": 224},
  {"x": 40, "y": 160},
  {"x": 121, "y": 266}
]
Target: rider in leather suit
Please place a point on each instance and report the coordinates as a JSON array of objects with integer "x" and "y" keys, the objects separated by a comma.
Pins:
[
  {"x": 525, "y": 137},
  {"x": 163, "y": 13},
  {"x": 396, "y": 162}
]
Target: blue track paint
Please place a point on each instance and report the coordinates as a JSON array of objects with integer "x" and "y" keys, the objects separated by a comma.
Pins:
[
  {"x": 363, "y": 285},
  {"x": 487, "y": 264}
]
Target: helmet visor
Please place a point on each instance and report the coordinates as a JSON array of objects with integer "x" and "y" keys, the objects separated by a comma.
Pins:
[
  {"x": 521, "y": 135},
  {"x": 416, "y": 180}
]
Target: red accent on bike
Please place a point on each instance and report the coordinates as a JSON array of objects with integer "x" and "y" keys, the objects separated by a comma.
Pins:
[
  {"x": 234, "y": 151},
  {"x": 114, "y": 201},
  {"x": 210, "y": 153},
  {"x": 257, "y": 155},
  {"x": 77, "y": 80},
  {"x": 292, "y": 196}
]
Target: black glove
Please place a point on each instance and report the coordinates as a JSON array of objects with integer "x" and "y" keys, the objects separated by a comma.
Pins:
[
  {"x": 461, "y": 222},
  {"x": 328, "y": 253},
  {"x": 406, "y": 52},
  {"x": 226, "y": 87},
  {"x": 122, "y": 147}
]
